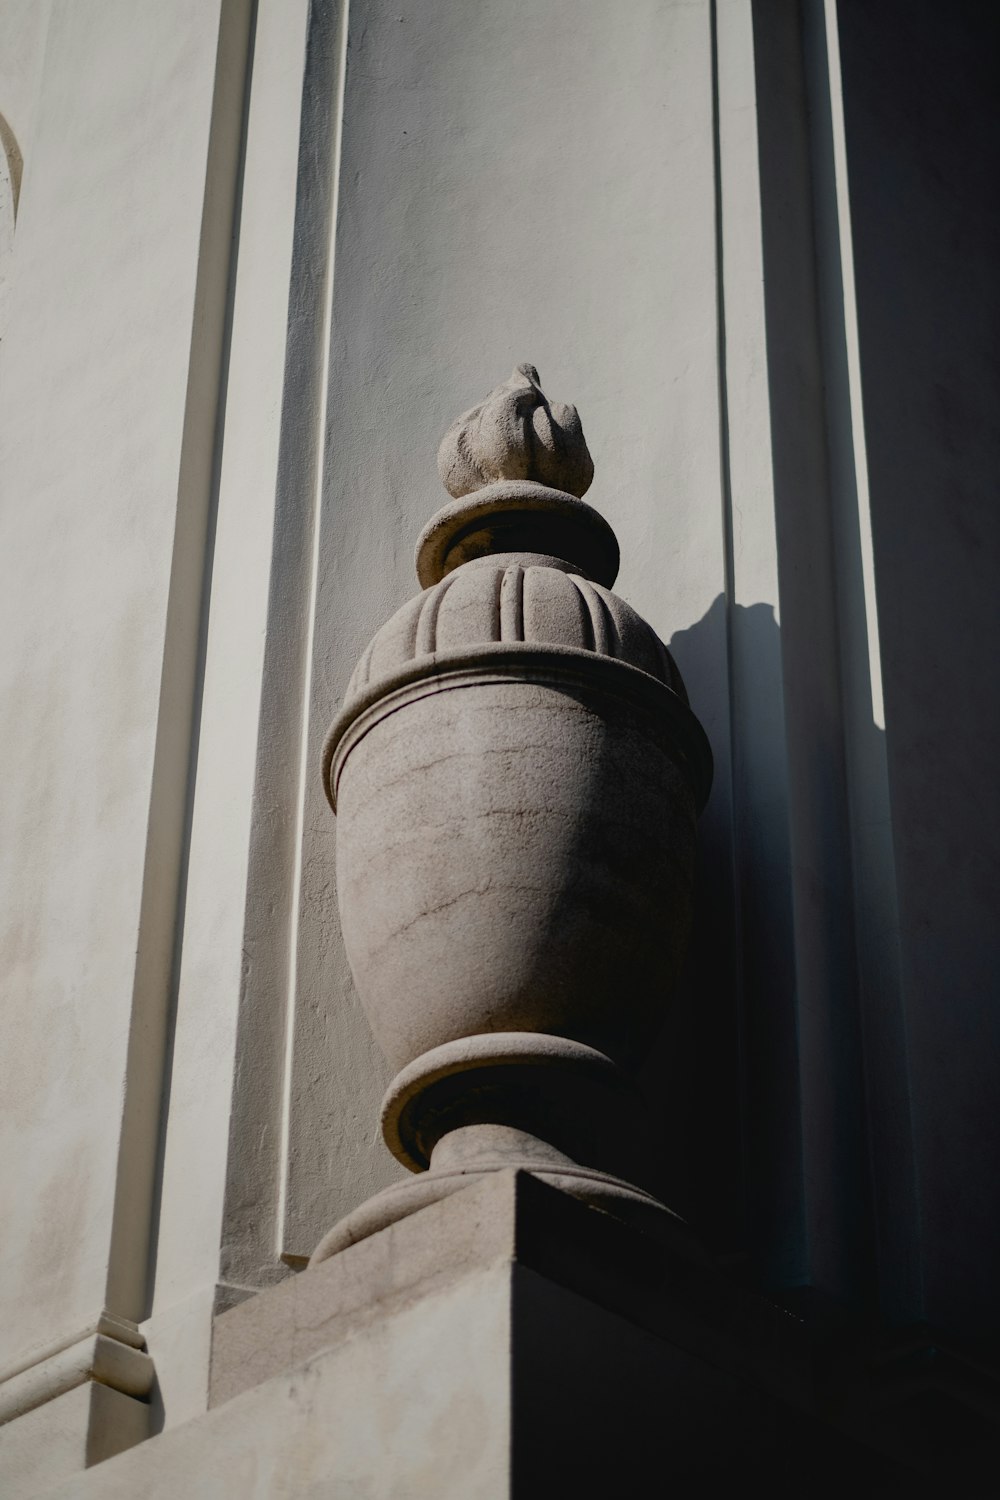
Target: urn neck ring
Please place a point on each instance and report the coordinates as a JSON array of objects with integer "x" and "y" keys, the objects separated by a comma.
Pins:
[
  {"x": 517, "y": 515},
  {"x": 410, "y": 1100}
]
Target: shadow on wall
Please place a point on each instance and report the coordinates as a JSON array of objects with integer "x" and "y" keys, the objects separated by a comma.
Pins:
[
  {"x": 731, "y": 1098},
  {"x": 692, "y": 1077}
]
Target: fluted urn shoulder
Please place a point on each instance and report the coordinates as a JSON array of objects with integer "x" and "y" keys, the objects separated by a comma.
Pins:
[
  {"x": 516, "y": 774},
  {"x": 512, "y": 600},
  {"x": 516, "y": 600}
]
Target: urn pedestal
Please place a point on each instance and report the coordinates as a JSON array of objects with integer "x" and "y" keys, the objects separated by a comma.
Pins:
[{"x": 516, "y": 776}]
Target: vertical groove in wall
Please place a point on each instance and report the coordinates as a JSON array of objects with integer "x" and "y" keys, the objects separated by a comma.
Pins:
[
  {"x": 325, "y": 331},
  {"x": 254, "y": 1203},
  {"x": 885, "y": 1065},
  {"x": 175, "y": 755},
  {"x": 816, "y": 1231},
  {"x": 725, "y": 476}
]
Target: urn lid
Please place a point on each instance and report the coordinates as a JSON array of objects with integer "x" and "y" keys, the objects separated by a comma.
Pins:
[
  {"x": 517, "y": 466},
  {"x": 518, "y": 566},
  {"x": 518, "y": 557}
]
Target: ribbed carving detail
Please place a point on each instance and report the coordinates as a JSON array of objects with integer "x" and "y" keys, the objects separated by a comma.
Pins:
[
  {"x": 512, "y": 603},
  {"x": 508, "y": 602}
]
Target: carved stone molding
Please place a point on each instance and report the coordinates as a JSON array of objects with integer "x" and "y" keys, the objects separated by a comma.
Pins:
[{"x": 111, "y": 1353}]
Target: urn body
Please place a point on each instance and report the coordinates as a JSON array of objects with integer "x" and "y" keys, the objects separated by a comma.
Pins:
[{"x": 515, "y": 853}]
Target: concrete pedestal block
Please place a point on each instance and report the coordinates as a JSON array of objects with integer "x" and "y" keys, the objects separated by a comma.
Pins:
[
  {"x": 507, "y": 1341},
  {"x": 414, "y": 1402}
]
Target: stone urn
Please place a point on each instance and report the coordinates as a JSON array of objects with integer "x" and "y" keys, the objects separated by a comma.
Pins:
[{"x": 516, "y": 776}]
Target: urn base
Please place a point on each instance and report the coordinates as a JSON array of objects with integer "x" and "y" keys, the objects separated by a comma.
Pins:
[{"x": 503, "y": 1101}]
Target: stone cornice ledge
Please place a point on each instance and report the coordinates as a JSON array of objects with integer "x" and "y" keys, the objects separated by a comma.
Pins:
[
  {"x": 111, "y": 1352},
  {"x": 849, "y": 1405}
]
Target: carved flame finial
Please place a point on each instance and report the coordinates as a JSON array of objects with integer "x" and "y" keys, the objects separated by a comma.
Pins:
[{"x": 516, "y": 433}]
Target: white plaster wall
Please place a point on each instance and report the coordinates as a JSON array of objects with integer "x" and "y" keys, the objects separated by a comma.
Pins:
[
  {"x": 24, "y": 27},
  {"x": 103, "y": 471}
]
